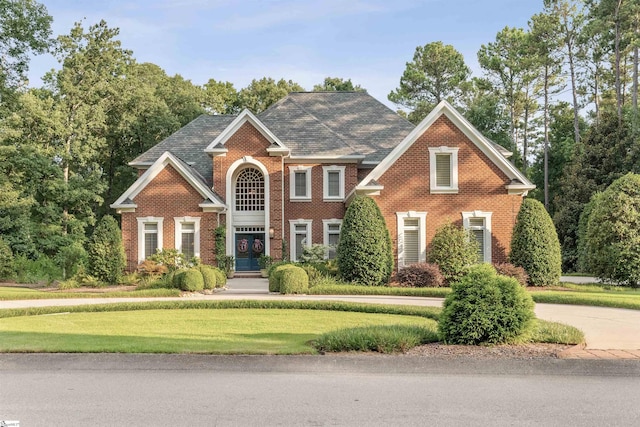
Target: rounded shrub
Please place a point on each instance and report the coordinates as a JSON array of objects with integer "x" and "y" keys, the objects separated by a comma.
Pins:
[
  {"x": 421, "y": 275},
  {"x": 7, "y": 267},
  {"x": 221, "y": 278},
  {"x": 613, "y": 233},
  {"x": 535, "y": 245},
  {"x": 105, "y": 251},
  {"x": 275, "y": 277},
  {"x": 190, "y": 280},
  {"x": 485, "y": 307},
  {"x": 453, "y": 250},
  {"x": 294, "y": 281},
  {"x": 364, "y": 254},
  {"x": 208, "y": 275}
]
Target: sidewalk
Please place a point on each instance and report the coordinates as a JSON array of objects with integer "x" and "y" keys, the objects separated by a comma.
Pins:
[{"x": 610, "y": 333}]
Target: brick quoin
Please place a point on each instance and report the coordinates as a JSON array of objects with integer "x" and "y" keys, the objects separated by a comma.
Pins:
[
  {"x": 168, "y": 196},
  {"x": 481, "y": 187}
]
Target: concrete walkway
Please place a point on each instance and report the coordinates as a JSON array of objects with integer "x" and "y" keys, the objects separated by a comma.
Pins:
[{"x": 609, "y": 332}]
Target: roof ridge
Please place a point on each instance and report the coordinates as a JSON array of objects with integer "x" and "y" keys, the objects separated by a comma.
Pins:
[{"x": 339, "y": 135}]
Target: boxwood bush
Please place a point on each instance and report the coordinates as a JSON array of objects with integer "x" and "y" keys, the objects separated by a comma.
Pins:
[
  {"x": 535, "y": 245},
  {"x": 190, "y": 280},
  {"x": 453, "y": 249},
  {"x": 221, "y": 277},
  {"x": 208, "y": 276},
  {"x": 294, "y": 281},
  {"x": 275, "y": 277},
  {"x": 485, "y": 307}
]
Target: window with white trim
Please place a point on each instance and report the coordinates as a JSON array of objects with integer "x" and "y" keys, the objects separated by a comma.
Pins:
[
  {"x": 443, "y": 169},
  {"x": 250, "y": 190},
  {"x": 300, "y": 183},
  {"x": 187, "y": 235},
  {"x": 332, "y": 229},
  {"x": 300, "y": 237},
  {"x": 479, "y": 225},
  {"x": 333, "y": 182},
  {"x": 412, "y": 238},
  {"x": 149, "y": 236}
]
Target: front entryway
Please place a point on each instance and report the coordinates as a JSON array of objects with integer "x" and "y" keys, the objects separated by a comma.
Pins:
[{"x": 249, "y": 247}]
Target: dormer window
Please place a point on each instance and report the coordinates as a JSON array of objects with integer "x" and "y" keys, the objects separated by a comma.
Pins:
[{"x": 443, "y": 170}]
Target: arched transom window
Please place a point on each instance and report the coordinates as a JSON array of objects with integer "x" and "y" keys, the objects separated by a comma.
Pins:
[{"x": 250, "y": 190}]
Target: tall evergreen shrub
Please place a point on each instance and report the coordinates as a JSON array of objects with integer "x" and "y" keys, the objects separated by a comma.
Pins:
[
  {"x": 453, "y": 250},
  {"x": 7, "y": 267},
  {"x": 613, "y": 232},
  {"x": 364, "y": 254},
  {"x": 535, "y": 245},
  {"x": 105, "y": 251}
]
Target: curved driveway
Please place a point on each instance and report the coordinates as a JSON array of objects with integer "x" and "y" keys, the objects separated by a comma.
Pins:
[{"x": 604, "y": 328}]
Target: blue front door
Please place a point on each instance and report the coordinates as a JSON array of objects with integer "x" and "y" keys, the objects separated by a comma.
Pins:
[{"x": 249, "y": 247}]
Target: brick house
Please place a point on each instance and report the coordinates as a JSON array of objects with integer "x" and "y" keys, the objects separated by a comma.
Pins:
[{"x": 282, "y": 179}]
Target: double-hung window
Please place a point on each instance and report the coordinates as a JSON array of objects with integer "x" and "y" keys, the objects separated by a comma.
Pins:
[
  {"x": 149, "y": 236},
  {"x": 333, "y": 183},
  {"x": 331, "y": 236},
  {"x": 300, "y": 183},
  {"x": 187, "y": 235},
  {"x": 412, "y": 238},
  {"x": 443, "y": 169},
  {"x": 479, "y": 225},
  {"x": 300, "y": 237}
]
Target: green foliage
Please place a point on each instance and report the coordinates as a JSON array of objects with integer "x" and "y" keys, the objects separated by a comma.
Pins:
[
  {"x": 535, "y": 246},
  {"x": 453, "y": 250},
  {"x": 261, "y": 94},
  {"x": 583, "y": 263},
  {"x": 228, "y": 263},
  {"x": 41, "y": 270},
  {"x": 265, "y": 261},
  {"x": 330, "y": 286},
  {"x": 294, "y": 281},
  {"x": 105, "y": 251},
  {"x": 275, "y": 276},
  {"x": 208, "y": 275},
  {"x": 484, "y": 307},
  {"x": 313, "y": 254},
  {"x": 221, "y": 278},
  {"x": 71, "y": 258},
  {"x": 337, "y": 84},
  {"x": 7, "y": 268},
  {"x": 275, "y": 265},
  {"x": 313, "y": 274},
  {"x": 170, "y": 258},
  {"x": 421, "y": 275},
  {"x": 365, "y": 251},
  {"x": 436, "y": 72},
  {"x": 190, "y": 280},
  {"x": 220, "y": 234},
  {"x": 613, "y": 232},
  {"x": 381, "y": 339}
]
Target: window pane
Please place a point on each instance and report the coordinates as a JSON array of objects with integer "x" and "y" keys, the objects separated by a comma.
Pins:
[
  {"x": 334, "y": 227},
  {"x": 333, "y": 182},
  {"x": 301, "y": 240},
  {"x": 333, "y": 239},
  {"x": 443, "y": 170},
  {"x": 479, "y": 236},
  {"x": 250, "y": 190},
  {"x": 188, "y": 226},
  {"x": 150, "y": 243},
  {"x": 188, "y": 245},
  {"x": 151, "y": 226},
  {"x": 411, "y": 247},
  {"x": 476, "y": 222},
  {"x": 301, "y": 184}
]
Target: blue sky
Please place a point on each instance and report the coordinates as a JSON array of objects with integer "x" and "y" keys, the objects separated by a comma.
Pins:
[{"x": 369, "y": 41}]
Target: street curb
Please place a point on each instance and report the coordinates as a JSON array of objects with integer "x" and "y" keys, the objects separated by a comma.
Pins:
[{"x": 571, "y": 351}]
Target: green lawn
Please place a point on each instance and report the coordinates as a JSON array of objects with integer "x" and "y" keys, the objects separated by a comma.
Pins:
[
  {"x": 217, "y": 331},
  {"x": 15, "y": 293}
]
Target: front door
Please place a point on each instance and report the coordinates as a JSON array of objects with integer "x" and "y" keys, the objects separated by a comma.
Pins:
[{"x": 249, "y": 247}]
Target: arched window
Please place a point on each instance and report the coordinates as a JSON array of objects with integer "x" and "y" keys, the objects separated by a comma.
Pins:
[{"x": 250, "y": 190}]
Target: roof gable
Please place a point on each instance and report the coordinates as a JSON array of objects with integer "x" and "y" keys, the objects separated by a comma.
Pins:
[
  {"x": 210, "y": 200},
  {"x": 218, "y": 144},
  {"x": 519, "y": 181}
]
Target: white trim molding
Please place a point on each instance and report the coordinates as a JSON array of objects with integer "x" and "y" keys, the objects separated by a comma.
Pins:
[
  {"x": 141, "y": 232},
  {"x": 195, "y": 220},
  {"x": 422, "y": 235},
  {"x": 292, "y": 235},
  {"x": 293, "y": 170},
  {"x": 452, "y": 152},
  {"x": 325, "y": 183},
  {"x": 466, "y": 223}
]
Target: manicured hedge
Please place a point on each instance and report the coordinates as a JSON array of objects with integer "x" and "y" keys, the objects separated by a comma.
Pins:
[
  {"x": 294, "y": 281},
  {"x": 190, "y": 280},
  {"x": 275, "y": 277},
  {"x": 208, "y": 275}
]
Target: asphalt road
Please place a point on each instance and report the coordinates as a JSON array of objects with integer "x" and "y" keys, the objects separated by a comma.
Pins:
[{"x": 191, "y": 390}]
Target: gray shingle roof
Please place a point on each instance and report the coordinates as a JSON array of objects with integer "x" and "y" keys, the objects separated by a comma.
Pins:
[
  {"x": 188, "y": 144},
  {"x": 335, "y": 124}
]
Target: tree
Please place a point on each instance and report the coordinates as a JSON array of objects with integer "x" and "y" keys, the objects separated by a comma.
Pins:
[
  {"x": 220, "y": 97},
  {"x": 364, "y": 254},
  {"x": 453, "y": 250},
  {"x": 25, "y": 28},
  {"x": 613, "y": 232},
  {"x": 261, "y": 94},
  {"x": 105, "y": 251},
  {"x": 535, "y": 245},
  {"x": 337, "y": 84},
  {"x": 436, "y": 72}
]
